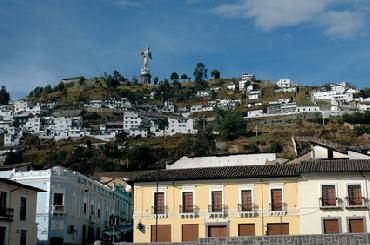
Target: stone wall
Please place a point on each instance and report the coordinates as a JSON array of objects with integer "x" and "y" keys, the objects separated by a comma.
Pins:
[{"x": 335, "y": 239}]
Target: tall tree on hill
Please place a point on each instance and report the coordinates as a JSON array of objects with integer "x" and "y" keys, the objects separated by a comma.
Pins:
[
  {"x": 184, "y": 77},
  {"x": 231, "y": 124},
  {"x": 200, "y": 73},
  {"x": 215, "y": 74},
  {"x": 174, "y": 77},
  {"x": 155, "y": 80},
  {"x": 4, "y": 96}
]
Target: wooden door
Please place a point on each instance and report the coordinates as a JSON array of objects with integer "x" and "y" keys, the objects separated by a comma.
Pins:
[
  {"x": 328, "y": 195},
  {"x": 356, "y": 226},
  {"x": 216, "y": 201},
  {"x": 278, "y": 229},
  {"x": 246, "y": 200},
  {"x": 331, "y": 226},
  {"x": 187, "y": 202},
  {"x": 190, "y": 233},
  {"x": 164, "y": 233},
  {"x": 159, "y": 202},
  {"x": 277, "y": 199},
  {"x": 354, "y": 195},
  {"x": 217, "y": 231},
  {"x": 246, "y": 230}
]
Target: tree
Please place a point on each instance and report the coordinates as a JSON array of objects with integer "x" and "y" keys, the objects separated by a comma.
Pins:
[
  {"x": 174, "y": 76},
  {"x": 231, "y": 124},
  {"x": 215, "y": 74},
  {"x": 275, "y": 147},
  {"x": 200, "y": 73},
  {"x": 155, "y": 80},
  {"x": 162, "y": 123},
  {"x": 48, "y": 89},
  {"x": 4, "y": 96},
  {"x": 134, "y": 80},
  {"x": 184, "y": 77}
]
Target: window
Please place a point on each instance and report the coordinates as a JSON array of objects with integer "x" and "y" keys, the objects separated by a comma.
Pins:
[
  {"x": 331, "y": 226},
  {"x": 98, "y": 212},
  {"x": 85, "y": 208},
  {"x": 187, "y": 202},
  {"x": 246, "y": 200},
  {"x": 354, "y": 195},
  {"x": 278, "y": 229},
  {"x": 159, "y": 207},
  {"x": 328, "y": 195},
  {"x": 216, "y": 199},
  {"x": 23, "y": 208},
  {"x": 23, "y": 240},
  {"x": 58, "y": 202},
  {"x": 356, "y": 225},
  {"x": 92, "y": 209},
  {"x": 3, "y": 203},
  {"x": 276, "y": 200}
]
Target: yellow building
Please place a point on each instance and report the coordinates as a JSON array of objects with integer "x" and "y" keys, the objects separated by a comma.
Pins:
[
  {"x": 187, "y": 204},
  {"x": 17, "y": 213}
]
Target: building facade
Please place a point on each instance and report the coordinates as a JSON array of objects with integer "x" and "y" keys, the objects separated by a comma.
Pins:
[
  {"x": 311, "y": 197},
  {"x": 17, "y": 213},
  {"x": 254, "y": 200}
]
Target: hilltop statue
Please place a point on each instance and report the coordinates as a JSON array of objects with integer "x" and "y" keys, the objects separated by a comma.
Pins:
[{"x": 145, "y": 76}]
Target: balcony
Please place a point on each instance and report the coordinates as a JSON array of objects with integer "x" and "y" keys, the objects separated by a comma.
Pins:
[
  {"x": 160, "y": 211},
  {"x": 277, "y": 209},
  {"x": 247, "y": 210},
  {"x": 58, "y": 209},
  {"x": 92, "y": 219},
  {"x": 329, "y": 203},
  {"x": 356, "y": 202},
  {"x": 6, "y": 214},
  {"x": 188, "y": 211},
  {"x": 217, "y": 210}
]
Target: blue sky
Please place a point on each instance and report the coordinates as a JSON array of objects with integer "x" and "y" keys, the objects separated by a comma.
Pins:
[{"x": 43, "y": 41}]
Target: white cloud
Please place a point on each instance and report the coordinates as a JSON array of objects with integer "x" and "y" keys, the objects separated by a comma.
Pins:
[
  {"x": 126, "y": 3},
  {"x": 342, "y": 24},
  {"x": 272, "y": 14}
]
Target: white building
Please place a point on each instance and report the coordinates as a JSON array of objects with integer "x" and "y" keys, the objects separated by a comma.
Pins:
[
  {"x": 73, "y": 210},
  {"x": 142, "y": 132},
  {"x": 33, "y": 125},
  {"x": 254, "y": 95},
  {"x": 308, "y": 109},
  {"x": 196, "y": 108},
  {"x": 285, "y": 86},
  {"x": 180, "y": 126},
  {"x": 13, "y": 136},
  {"x": 255, "y": 113},
  {"x": 364, "y": 106},
  {"x": 333, "y": 196},
  {"x": 202, "y": 94},
  {"x": 22, "y": 106},
  {"x": 246, "y": 82},
  {"x": 231, "y": 87},
  {"x": 284, "y": 83},
  {"x": 131, "y": 120},
  {"x": 223, "y": 161}
]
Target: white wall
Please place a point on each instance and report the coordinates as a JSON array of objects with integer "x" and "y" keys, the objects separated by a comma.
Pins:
[
  {"x": 221, "y": 161},
  {"x": 309, "y": 188}
]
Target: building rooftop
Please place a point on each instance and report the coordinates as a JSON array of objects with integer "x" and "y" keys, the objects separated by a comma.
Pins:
[
  {"x": 11, "y": 182},
  {"x": 234, "y": 172},
  {"x": 257, "y": 171}
]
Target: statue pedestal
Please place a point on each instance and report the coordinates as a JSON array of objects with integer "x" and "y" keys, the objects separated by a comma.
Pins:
[{"x": 145, "y": 78}]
